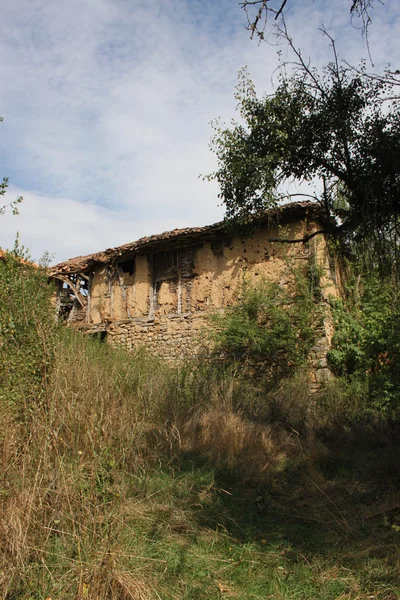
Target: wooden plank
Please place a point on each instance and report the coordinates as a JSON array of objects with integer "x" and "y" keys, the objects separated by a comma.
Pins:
[{"x": 74, "y": 289}]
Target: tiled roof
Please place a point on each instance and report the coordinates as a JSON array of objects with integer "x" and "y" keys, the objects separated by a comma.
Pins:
[
  {"x": 3, "y": 254},
  {"x": 282, "y": 214}
]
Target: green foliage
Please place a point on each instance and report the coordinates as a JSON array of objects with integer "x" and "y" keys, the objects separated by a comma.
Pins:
[
  {"x": 272, "y": 324},
  {"x": 366, "y": 347},
  {"x": 13, "y": 205},
  {"x": 27, "y": 328},
  {"x": 339, "y": 126},
  {"x": 127, "y": 478}
]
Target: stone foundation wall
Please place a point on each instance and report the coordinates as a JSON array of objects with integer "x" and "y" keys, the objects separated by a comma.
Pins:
[
  {"x": 172, "y": 337},
  {"x": 320, "y": 372},
  {"x": 161, "y": 296},
  {"x": 176, "y": 337}
]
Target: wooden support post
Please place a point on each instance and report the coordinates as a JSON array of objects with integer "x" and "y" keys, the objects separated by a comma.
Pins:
[
  {"x": 75, "y": 290},
  {"x": 179, "y": 292}
]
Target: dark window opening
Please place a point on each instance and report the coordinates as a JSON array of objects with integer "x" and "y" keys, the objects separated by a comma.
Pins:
[
  {"x": 127, "y": 266},
  {"x": 100, "y": 336},
  {"x": 165, "y": 265}
]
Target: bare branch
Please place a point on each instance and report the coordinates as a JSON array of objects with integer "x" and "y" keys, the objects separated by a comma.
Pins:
[
  {"x": 303, "y": 240},
  {"x": 312, "y": 196},
  {"x": 278, "y": 14},
  {"x": 390, "y": 77},
  {"x": 257, "y": 13},
  {"x": 302, "y": 64}
]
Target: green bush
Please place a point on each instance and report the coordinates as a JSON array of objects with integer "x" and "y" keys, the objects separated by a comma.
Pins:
[
  {"x": 366, "y": 344},
  {"x": 272, "y": 325},
  {"x": 27, "y": 328}
]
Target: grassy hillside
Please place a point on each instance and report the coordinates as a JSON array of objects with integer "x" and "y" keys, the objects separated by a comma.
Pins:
[{"x": 123, "y": 478}]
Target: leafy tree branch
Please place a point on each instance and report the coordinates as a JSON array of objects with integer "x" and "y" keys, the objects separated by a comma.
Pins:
[
  {"x": 10, "y": 206},
  {"x": 337, "y": 128}
]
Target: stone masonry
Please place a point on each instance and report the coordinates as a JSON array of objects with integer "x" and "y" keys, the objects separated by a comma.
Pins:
[{"x": 159, "y": 292}]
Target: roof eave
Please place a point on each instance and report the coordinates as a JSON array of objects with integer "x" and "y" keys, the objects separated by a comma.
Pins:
[{"x": 283, "y": 214}]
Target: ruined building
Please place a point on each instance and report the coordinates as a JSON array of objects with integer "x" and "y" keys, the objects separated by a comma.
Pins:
[{"x": 159, "y": 290}]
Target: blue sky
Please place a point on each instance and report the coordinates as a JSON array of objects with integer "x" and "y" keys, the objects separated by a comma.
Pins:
[{"x": 107, "y": 107}]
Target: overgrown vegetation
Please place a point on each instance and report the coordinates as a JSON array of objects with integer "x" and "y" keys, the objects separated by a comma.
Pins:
[
  {"x": 27, "y": 329},
  {"x": 366, "y": 347},
  {"x": 125, "y": 478},
  {"x": 335, "y": 128},
  {"x": 273, "y": 324}
]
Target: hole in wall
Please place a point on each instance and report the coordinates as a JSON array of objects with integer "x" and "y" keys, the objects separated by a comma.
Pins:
[{"x": 127, "y": 266}]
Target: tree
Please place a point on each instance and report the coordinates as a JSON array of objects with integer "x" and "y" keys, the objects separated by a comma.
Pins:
[
  {"x": 13, "y": 205},
  {"x": 259, "y": 12},
  {"x": 338, "y": 128}
]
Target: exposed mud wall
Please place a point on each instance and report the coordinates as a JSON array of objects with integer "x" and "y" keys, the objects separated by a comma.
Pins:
[
  {"x": 116, "y": 295},
  {"x": 100, "y": 296},
  {"x": 162, "y": 299},
  {"x": 196, "y": 278},
  {"x": 199, "y": 277},
  {"x": 221, "y": 269},
  {"x": 140, "y": 297}
]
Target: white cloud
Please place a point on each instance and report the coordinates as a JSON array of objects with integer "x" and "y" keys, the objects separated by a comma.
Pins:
[
  {"x": 108, "y": 102},
  {"x": 61, "y": 226}
]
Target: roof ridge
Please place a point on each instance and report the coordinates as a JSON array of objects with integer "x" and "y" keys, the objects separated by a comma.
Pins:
[{"x": 80, "y": 263}]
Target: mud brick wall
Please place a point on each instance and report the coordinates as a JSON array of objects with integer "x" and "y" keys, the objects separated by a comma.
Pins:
[{"x": 161, "y": 295}]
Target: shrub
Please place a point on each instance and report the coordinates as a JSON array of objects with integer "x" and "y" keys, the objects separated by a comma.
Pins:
[
  {"x": 366, "y": 347},
  {"x": 27, "y": 328},
  {"x": 272, "y": 325}
]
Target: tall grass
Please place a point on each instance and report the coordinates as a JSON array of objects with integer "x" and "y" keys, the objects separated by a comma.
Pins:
[
  {"x": 75, "y": 472},
  {"x": 125, "y": 478}
]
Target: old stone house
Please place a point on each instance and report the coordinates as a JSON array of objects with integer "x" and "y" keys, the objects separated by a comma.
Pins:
[{"x": 159, "y": 290}]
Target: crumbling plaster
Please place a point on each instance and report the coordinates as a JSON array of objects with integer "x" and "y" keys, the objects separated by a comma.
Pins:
[
  {"x": 214, "y": 282},
  {"x": 159, "y": 291}
]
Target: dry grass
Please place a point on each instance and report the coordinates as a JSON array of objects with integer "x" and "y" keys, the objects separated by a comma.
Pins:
[
  {"x": 62, "y": 467},
  {"x": 229, "y": 441},
  {"x": 97, "y": 499}
]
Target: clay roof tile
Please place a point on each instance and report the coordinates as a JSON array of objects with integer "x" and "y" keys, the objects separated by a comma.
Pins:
[{"x": 282, "y": 214}]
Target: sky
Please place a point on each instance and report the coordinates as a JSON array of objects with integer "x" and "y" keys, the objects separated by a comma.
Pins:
[{"x": 107, "y": 107}]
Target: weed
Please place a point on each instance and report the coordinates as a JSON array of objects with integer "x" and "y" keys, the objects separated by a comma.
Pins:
[
  {"x": 125, "y": 478},
  {"x": 272, "y": 327}
]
